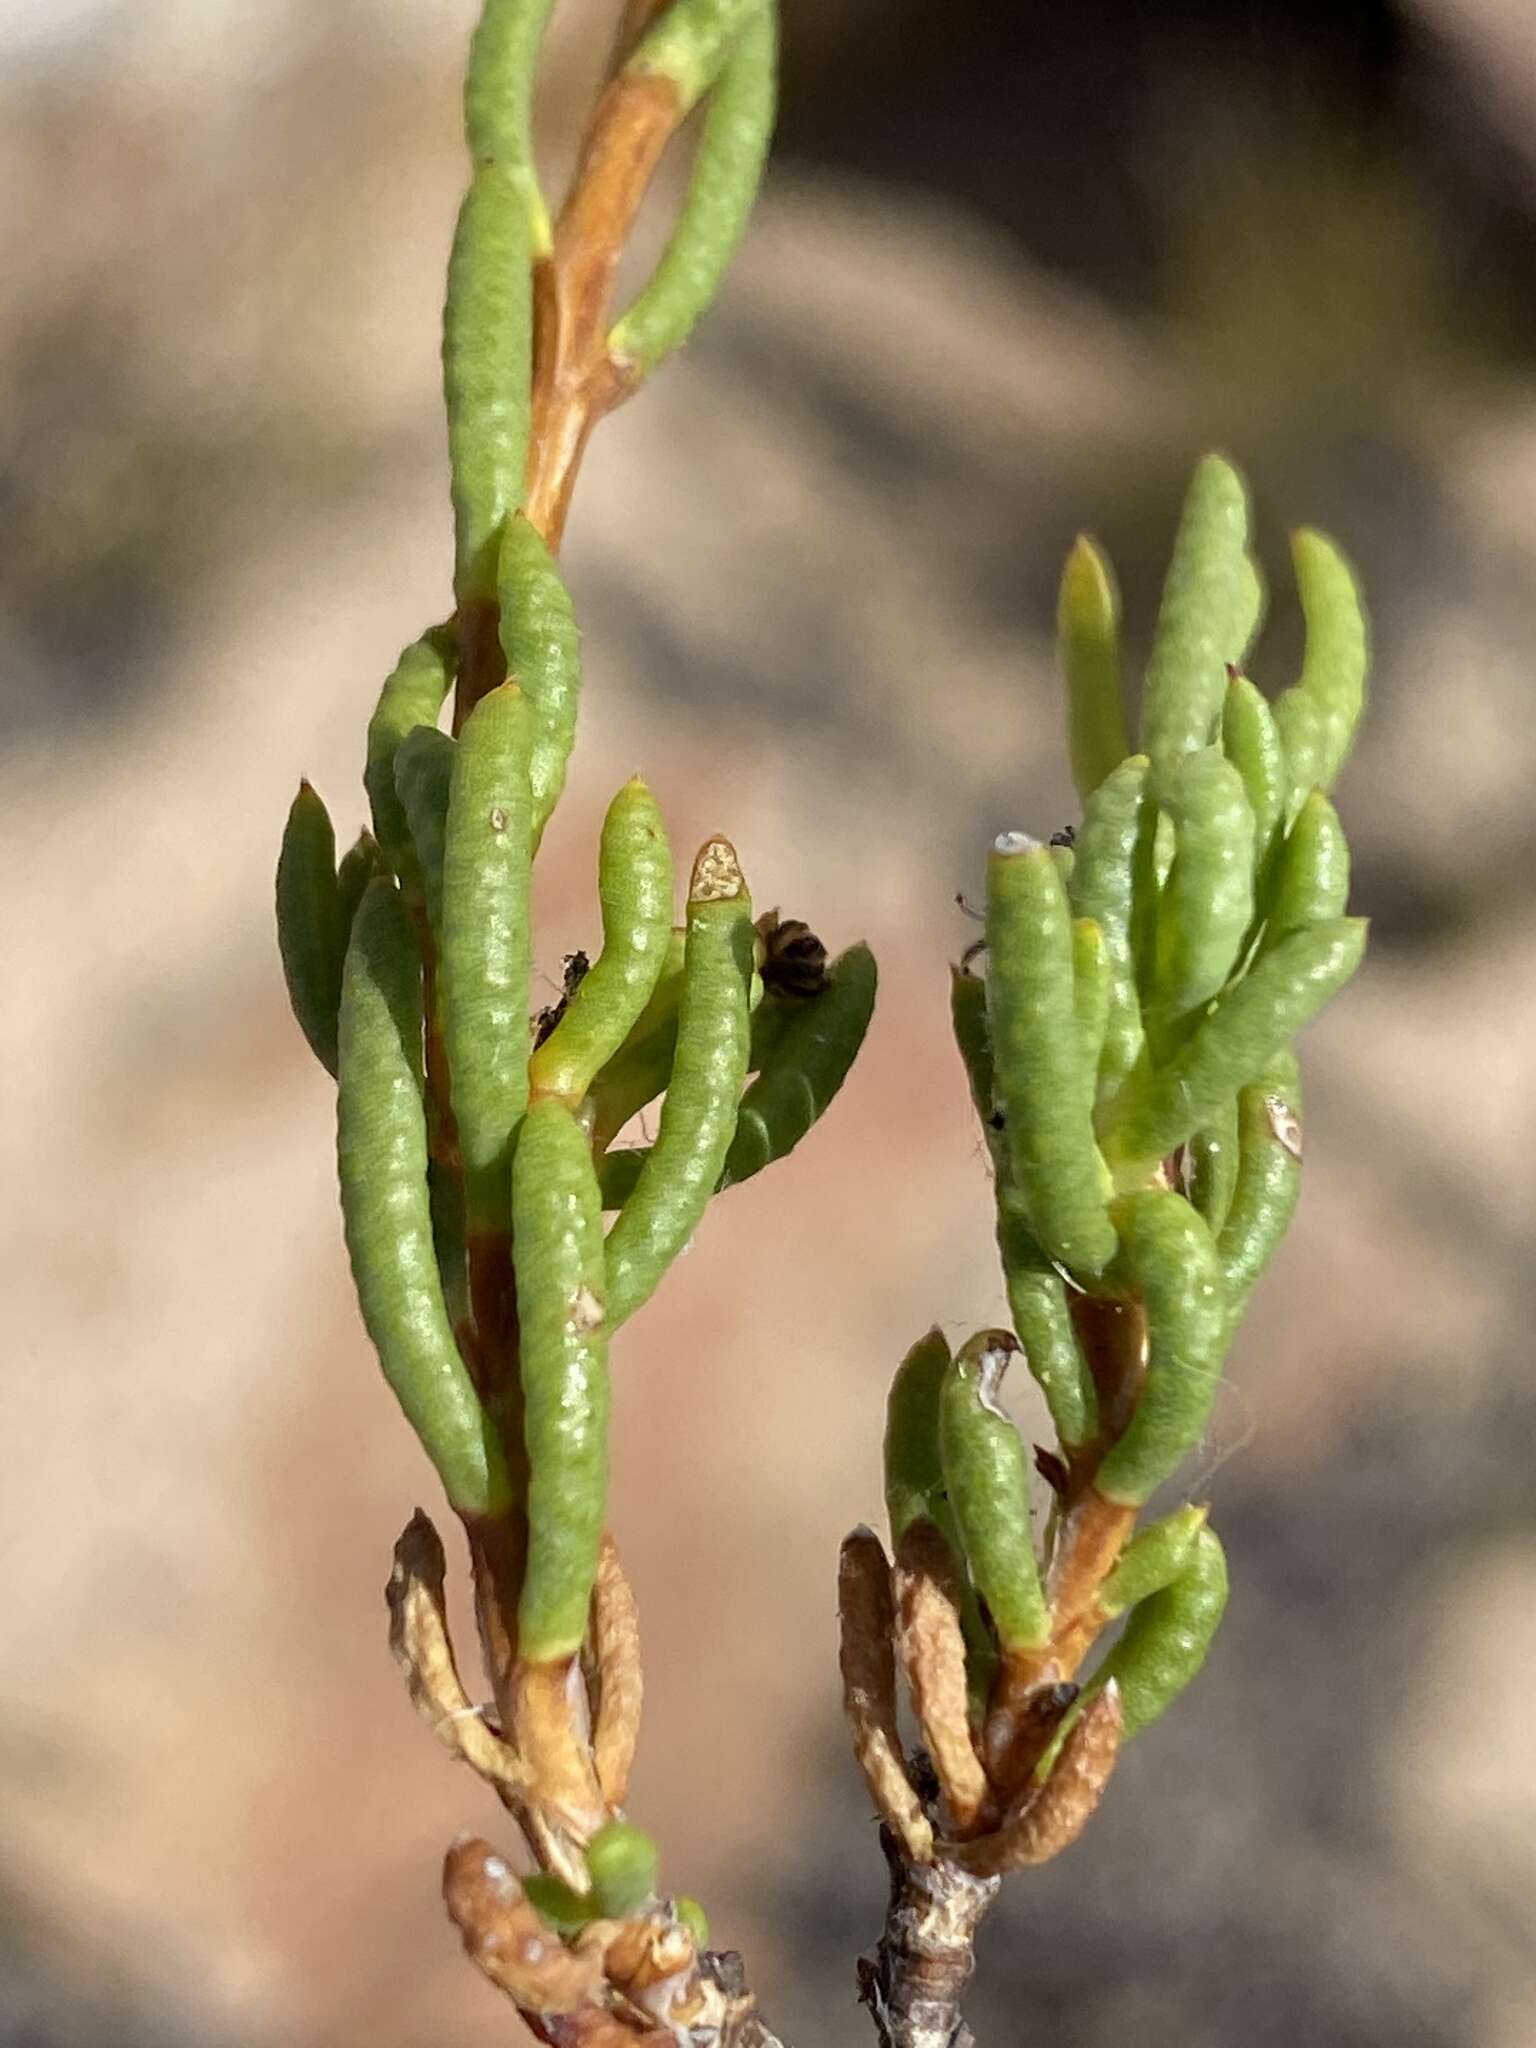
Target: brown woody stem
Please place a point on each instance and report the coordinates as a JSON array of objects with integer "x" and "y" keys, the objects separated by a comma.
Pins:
[
  {"x": 574, "y": 382},
  {"x": 915, "y": 1978}
]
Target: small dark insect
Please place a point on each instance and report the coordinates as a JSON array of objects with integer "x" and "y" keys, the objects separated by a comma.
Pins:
[
  {"x": 576, "y": 966},
  {"x": 997, "y": 1121},
  {"x": 1067, "y": 836},
  {"x": 794, "y": 959}
]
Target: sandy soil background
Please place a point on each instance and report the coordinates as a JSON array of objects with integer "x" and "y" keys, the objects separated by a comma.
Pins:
[{"x": 1006, "y": 281}]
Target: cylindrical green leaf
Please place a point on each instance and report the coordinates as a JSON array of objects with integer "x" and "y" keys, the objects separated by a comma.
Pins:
[
  {"x": 1151, "y": 860},
  {"x": 777, "y": 1009},
  {"x": 1268, "y": 1177},
  {"x": 968, "y": 1017},
  {"x": 623, "y": 1864},
  {"x": 1037, "y": 1294},
  {"x": 709, "y": 1067},
  {"x": 1311, "y": 872},
  {"x": 689, "y": 44},
  {"x": 987, "y": 1473},
  {"x": 1299, "y": 724},
  {"x": 1332, "y": 686},
  {"x": 557, "y": 1225},
  {"x": 808, "y": 1064},
  {"x": 1252, "y": 745},
  {"x": 1102, "y": 881},
  {"x": 423, "y": 774},
  {"x": 1252, "y": 599},
  {"x": 1206, "y": 905},
  {"x": 382, "y": 1155},
  {"x": 1153, "y": 1559},
  {"x": 1092, "y": 991},
  {"x": 1033, "y": 1029},
  {"x": 634, "y": 887},
  {"x": 638, "y": 1071},
  {"x": 727, "y": 169},
  {"x": 914, "y": 1471},
  {"x": 1204, "y": 598},
  {"x": 917, "y": 1491},
  {"x": 1038, "y": 1303},
  {"x": 412, "y": 696},
  {"x": 359, "y": 864},
  {"x": 1246, "y": 1027},
  {"x": 487, "y": 358},
  {"x": 311, "y": 928},
  {"x": 484, "y": 963},
  {"x": 445, "y": 1193},
  {"x": 542, "y": 645},
  {"x": 1088, "y": 650},
  {"x": 423, "y": 777},
  {"x": 498, "y": 99},
  {"x": 1168, "y": 1261},
  {"x": 1167, "y": 1637},
  {"x": 1210, "y": 1168}
]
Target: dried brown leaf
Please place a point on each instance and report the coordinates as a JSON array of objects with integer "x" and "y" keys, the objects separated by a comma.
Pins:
[
  {"x": 615, "y": 1653},
  {"x": 421, "y": 1646},
  {"x": 1050, "y": 1817},
  {"x": 931, "y": 1648},
  {"x": 505, "y": 1938},
  {"x": 868, "y": 1619}
]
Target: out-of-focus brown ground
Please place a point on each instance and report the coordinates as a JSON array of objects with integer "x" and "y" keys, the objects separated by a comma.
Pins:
[{"x": 815, "y": 569}]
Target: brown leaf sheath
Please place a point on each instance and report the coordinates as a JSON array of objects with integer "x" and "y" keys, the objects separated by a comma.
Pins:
[{"x": 550, "y": 1734}]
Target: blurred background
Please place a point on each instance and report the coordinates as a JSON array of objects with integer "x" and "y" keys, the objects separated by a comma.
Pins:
[{"x": 1014, "y": 268}]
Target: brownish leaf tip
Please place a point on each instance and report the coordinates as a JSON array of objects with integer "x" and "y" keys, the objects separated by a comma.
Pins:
[{"x": 418, "y": 1559}]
